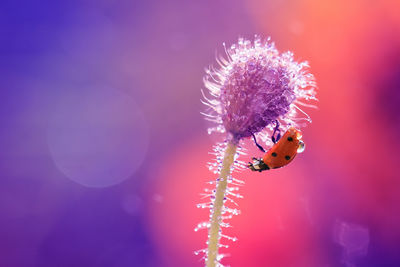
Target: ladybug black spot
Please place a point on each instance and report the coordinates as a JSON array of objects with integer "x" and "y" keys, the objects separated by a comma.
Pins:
[
  {"x": 290, "y": 139},
  {"x": 287, "y": 157},
  {"x": 274, "y": 154}
]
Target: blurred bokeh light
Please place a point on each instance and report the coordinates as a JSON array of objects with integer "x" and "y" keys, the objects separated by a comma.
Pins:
[{"x": 104, "y": 150}]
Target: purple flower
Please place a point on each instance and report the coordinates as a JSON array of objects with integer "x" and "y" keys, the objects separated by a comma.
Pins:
[{"x": 255, "y": 86}]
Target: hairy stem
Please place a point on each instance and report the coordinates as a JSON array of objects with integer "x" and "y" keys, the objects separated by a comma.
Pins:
[{"x": 222, "y": 183}]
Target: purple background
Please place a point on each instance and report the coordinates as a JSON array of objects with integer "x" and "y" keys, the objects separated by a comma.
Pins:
[{"x": 103, "y": 149}]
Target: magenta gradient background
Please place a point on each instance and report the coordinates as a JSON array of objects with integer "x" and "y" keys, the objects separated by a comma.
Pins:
[{"x": 103, "y": 149}]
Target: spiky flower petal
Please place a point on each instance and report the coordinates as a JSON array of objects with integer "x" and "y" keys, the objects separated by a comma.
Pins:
[{"x": 255, "y": 86}]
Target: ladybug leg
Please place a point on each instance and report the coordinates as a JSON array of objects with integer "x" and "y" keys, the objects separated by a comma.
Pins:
[
  {"x": 257, "y": 144},
  {"x": 276, "y": 135},
  {"x": 251, "y": 166},
  {"x": 258, "y": 165},
  {"x": 255, "y": 166}
]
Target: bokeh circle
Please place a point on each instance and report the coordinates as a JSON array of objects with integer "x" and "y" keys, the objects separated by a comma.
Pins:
[{"x": 97, "y": 136}]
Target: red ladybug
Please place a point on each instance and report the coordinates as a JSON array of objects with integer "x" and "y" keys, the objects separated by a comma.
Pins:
[{"x": 281, "y": 153}]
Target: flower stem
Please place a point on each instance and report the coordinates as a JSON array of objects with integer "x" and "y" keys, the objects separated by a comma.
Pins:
[{"x": 215, "y": 222}]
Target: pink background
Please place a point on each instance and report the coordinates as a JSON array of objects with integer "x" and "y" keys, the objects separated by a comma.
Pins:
[{"x": 104, "y": 151}]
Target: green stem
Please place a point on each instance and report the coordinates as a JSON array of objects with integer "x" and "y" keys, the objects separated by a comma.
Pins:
[{"x": 214, "y": 230}]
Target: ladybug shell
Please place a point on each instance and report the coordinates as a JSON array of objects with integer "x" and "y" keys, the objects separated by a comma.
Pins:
[{"x": 284, "y": 151}]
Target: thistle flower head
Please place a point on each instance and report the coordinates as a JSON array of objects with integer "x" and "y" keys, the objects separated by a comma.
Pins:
[{"x": 255, "y": 86}]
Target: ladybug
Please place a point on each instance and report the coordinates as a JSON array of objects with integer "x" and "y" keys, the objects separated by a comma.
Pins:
[{"x": 282, "y": 152}]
